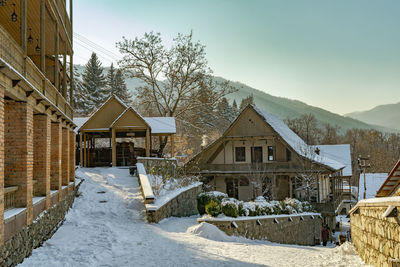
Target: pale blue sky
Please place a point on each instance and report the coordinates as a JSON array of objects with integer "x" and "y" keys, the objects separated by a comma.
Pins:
[{"x": 341, "y": 55}]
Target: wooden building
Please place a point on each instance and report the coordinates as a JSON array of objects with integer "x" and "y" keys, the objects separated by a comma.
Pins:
[
  {"x": 112, "y": 121},
  {"x": 36, "y": 118},
  {"x": 391, "y": 186},
  {"x": 259, "y": 155}
]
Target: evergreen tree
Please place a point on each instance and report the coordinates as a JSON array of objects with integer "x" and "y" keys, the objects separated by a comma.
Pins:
[
  {"x": 235, "y": 107},
  {"x": 120, "y": 88},
  {"x": 81, "y": 99},
  {"x": 110, "y": 79},
  {"x": 94, "y": 81},
  {"x": 225, "y": 112},
  {"x": 246, "y": 101}
]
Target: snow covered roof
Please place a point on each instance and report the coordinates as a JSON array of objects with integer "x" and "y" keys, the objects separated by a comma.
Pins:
[
  {"x": 79, "y": 121},
  {"x": 161, "y": 125},
  {"x": 340, "y": 153},
  {"x": 158, "y": 125},
  {"x": 295, "y": 142},
  {"x": 373, "y": 181}
]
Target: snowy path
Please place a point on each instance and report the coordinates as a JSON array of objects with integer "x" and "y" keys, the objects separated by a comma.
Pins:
[{"x": 114, "y": 233}]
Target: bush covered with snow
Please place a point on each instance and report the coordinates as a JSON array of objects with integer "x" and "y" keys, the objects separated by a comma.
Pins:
[
  {"x": 233, "y": 208},
  {"x": 204, "y": 198}
]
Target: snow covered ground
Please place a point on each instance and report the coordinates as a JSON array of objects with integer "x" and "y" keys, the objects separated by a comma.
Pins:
[{"x": 107, "y": 227}]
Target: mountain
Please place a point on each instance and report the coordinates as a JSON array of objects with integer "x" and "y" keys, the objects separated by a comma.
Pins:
[
  {"x": 287, "y": 108},
  {"x": 384, "y": 115},
  {"x": 282, "y": 107}
]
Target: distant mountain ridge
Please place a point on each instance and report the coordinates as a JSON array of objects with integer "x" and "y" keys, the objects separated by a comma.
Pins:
[
  {"x": 282, "y": 107},
  {"x": 384, "y": 115}
]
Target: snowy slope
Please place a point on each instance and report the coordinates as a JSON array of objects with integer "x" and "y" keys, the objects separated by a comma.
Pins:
[{"x": 114, "y": 233}]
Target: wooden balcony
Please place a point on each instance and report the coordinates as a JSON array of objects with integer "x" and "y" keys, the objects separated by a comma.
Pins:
[
  {"x": 12, "y": 55},
  {"x": 271, "y": 167}
]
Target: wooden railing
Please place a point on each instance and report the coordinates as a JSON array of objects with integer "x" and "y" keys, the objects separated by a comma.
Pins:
[
  {"x": 251, "y": 167},
  {"x": 9, "y": 197},
  {"x": 12, "y": 53}
]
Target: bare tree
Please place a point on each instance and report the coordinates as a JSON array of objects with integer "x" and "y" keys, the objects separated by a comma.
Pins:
[
  {"x": 174, "y": 79},
  {"x": 261, "y": 180}
]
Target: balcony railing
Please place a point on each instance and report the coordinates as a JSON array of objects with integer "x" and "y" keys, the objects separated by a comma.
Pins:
[
  {"x": 62, "y": 12},
  {"x": 12, "y": 53},
  {"x": 251, "y": 167},
  {"x": 9, "y": 197}
]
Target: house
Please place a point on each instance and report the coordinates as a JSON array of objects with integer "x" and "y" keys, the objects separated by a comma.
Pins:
[
  {"x": 37, "y": 141},
  {"x": 259, "y": 155},
  {"x": 349, "y": 192},
  {"x": 391, "y": 186},
  {"x": 114, "y": 133}
]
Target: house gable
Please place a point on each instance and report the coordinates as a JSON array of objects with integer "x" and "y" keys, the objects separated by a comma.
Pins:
[
  {"x": 130, "y": 119},
  {"x": 105, "y": 115}
]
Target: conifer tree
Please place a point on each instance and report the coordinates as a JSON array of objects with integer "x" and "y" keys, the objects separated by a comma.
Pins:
[
  {"x": 94, "y": 81},
  {"x": 235, "y": 107},
  {"x": 110, "y": 79},
  {"x": 82, "y": 103},
  {"x": 120, "y": 88},
  {"x": 245, "y": 101}
]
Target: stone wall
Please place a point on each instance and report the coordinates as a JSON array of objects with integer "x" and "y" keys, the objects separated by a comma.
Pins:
[
  {"x": 376, "y": 239},
  {"x": 184, "y": 204},
  {"x": 284, "y": 229},
  {"x": 20, "y": 246}
]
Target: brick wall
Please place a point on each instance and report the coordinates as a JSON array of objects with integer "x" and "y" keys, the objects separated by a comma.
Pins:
[
  {"x": 376, "y": 239},
  {"x": 55, "y": 166},
  {"x": 1, "y": 163},
  {"x": 41, "y": 148},
  {"x": 65, "y": 156},
  {"x": 18, "y": 147}
]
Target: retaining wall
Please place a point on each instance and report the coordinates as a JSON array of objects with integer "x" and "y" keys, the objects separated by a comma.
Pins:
[
  {"x": 284, "y": 229},
  {"x": 182, "y": 205},
  {"x": 376, "y": 239},
  {"x": 20, "y": 246}
]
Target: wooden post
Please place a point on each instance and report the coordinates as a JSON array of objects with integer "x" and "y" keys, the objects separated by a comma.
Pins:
[
  {"x": 64, "y": 84},
  {"x": 84, "y": 150},
  {"x": 172, "y": 146},
  {"x": 147, "y": 142},
  {"x": 56, "y": 52},
  {"x": 43, "y": 36},
  {"x": 114, "y": 147},
  {"x": 80, "y": 149},
  {"x": 23, "y": 25},
  {"x": 290, "y": 187}
]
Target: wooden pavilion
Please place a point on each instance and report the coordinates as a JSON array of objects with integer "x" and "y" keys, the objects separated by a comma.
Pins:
[{"x": 115, "y": 120}]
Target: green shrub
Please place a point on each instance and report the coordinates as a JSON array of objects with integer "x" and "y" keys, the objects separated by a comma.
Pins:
[
  {"x": 213, "y": 208},
  {"x": 229, "y": 209},
  {"x": 241, "y": 210},
  {"x": 204, "y": 198}
]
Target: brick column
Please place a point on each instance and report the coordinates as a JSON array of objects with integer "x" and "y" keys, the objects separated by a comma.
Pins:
[
  {"x": 72, "y": 148},
  {"x": 41, "y": 156},
  {"x": 18, "y": 145},
  {"x": 1, "y": 165},
  {"x": 55, "y": 165},
  {"x": 65, "y": 157}
]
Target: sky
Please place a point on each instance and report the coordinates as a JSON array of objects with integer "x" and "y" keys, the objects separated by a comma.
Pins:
[{"x": 341, "y": 55}]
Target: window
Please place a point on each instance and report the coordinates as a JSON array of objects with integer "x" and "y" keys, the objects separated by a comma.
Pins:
[
  {"x": 256, "y": 154},
  {"x": 288, "y": 155},
  {"x": 240, "y": 153},
  {"x": 271, "y": 153}
]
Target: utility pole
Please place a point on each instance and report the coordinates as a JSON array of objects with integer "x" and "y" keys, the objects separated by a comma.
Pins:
[{"x": 363, "y": 163}]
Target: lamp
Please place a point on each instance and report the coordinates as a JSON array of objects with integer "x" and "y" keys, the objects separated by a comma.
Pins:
[
  {"x": 317, "y": 151},
  {"x": 14, "y": 16},
  {"x": 37, "y": 49},
  {"x": 3, "y": 2},
  {"x": 30, "y": 39}
]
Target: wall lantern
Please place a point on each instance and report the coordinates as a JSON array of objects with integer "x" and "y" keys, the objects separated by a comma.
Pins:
[
  {"x": 3, "y": 2},
  {"x": 14, "y": 16},
  {"x": 37, "y": 49},
  {"x": 30, "y": 39}
]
